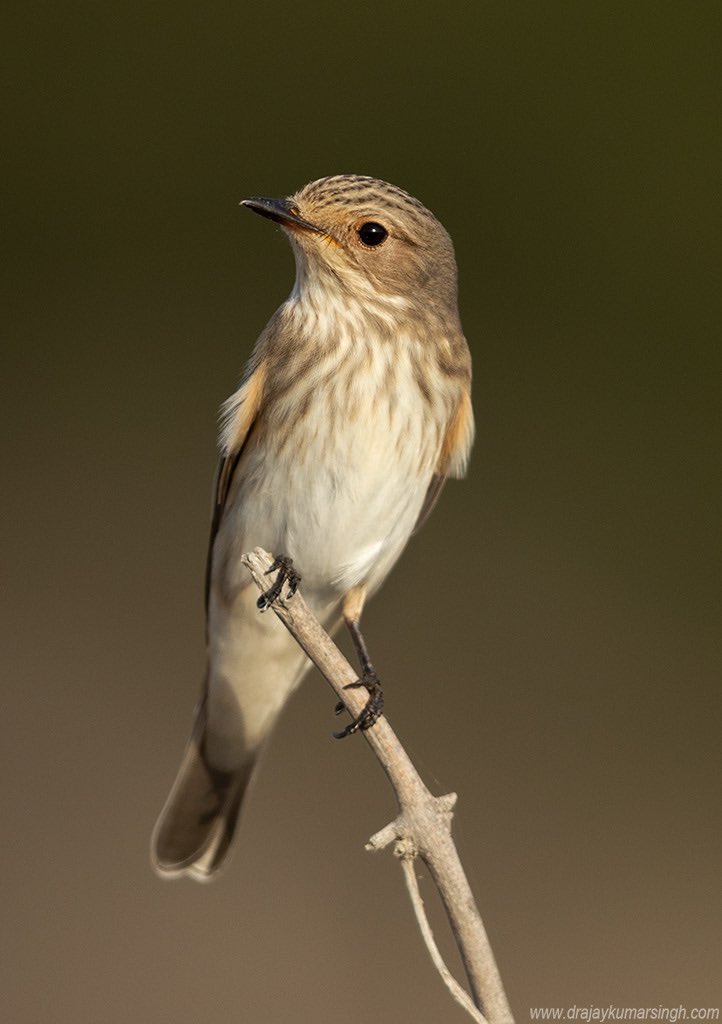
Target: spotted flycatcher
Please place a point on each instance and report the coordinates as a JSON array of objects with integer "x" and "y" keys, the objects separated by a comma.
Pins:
[{"x": 353, "y": 410}]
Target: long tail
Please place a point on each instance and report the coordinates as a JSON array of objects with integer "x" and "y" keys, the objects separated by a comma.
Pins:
[{"x": 196, "y": 825}]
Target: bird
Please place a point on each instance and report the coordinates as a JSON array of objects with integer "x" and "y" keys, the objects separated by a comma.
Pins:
[{"x": 353, "y": 411}]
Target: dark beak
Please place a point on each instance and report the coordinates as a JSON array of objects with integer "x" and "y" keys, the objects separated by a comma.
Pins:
[{"x": 282, "y": 211}]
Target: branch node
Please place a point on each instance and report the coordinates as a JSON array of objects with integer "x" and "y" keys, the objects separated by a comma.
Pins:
[
  {"x": 405, "y": 848},
  {"x": 445, "y": 808},
  {"x": 447, "y": 802},
  {"x": 385, "y": 836}
]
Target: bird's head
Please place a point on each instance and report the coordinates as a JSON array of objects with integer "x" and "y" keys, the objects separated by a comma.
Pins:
[{"x": 367, "y": 239}]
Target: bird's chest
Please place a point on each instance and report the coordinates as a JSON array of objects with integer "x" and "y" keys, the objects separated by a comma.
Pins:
[
  {"x": 343, "y": 466},
  {"x": 363, "y": 417}
]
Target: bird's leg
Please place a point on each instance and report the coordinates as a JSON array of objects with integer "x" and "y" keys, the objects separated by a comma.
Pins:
[
  {"x": 286, "y": 574},
  {"x": 375, "y": 704}
]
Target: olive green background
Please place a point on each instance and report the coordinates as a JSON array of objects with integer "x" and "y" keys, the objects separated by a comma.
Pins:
[{"x": 549, "y": 642}]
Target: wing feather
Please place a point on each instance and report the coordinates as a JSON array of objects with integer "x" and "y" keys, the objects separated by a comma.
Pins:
[
  {"x": 240, "y": 414},
  {"x": 453, "y": 458}
]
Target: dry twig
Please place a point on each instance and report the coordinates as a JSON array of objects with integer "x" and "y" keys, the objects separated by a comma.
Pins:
[{"x": 423, "y": 826}]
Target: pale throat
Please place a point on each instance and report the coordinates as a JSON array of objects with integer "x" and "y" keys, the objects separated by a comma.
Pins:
[{"x": 346, "y": 307}]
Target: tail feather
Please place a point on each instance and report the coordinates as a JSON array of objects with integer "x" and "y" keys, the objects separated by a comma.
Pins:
[{"x": 196, "y": 825}]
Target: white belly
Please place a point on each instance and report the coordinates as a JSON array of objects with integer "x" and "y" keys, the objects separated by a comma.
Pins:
[{"x": 343, "y": 507}]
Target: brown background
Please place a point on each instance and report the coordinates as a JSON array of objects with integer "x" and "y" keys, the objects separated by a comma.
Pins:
[{"x": 549, "y": 642}]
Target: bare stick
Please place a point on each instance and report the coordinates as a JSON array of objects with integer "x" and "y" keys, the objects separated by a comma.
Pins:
[
  {"x": 423, "y": 826},
  {"x": 412, "y": 885}
]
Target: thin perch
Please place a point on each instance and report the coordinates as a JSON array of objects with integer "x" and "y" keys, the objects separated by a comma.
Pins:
[{"x": 423, "y": 826}]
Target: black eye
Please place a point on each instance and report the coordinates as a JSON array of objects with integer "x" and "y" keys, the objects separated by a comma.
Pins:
[{"x": 372, "y": 233}]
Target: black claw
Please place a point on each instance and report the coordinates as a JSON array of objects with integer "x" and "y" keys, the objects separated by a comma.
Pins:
[
  {"x": 372, "y": 710},
  {"x": 340, "y": 706},
  {"x": 286, "y": 574}
]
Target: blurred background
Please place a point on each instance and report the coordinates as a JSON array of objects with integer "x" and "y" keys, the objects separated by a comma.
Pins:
[{"x": 550, "y": 641}]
